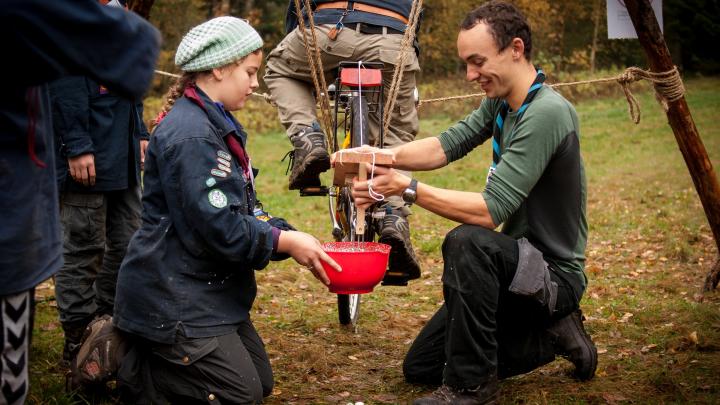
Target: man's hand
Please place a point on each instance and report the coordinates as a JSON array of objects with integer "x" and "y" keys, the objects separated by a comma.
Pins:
[
  {"x": 82, "y": 169},
  {"x": 307, "y": 251},
  {"x": 143, "y": 148},
  {"x": 385, "y": 181}
]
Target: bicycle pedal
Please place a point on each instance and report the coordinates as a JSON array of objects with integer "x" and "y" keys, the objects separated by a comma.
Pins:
[{"x": 313, "y": 191}]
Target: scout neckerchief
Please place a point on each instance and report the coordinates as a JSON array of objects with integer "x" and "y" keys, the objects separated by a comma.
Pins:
[{"x": 497, "y": 142}]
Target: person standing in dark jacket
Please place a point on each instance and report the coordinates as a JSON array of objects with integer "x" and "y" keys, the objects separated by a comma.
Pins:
[
  {"x": 48, "y": 39},
  {"x": 187, "y": 284},
  {"x": 101, "y": 140},
  {"x": 368, "y": 31}
]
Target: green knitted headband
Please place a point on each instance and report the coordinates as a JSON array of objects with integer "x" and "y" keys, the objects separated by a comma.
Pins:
[{"x": 216, "y": 43}]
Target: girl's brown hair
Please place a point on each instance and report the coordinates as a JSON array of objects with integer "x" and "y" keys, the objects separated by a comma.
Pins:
[{"x": 176, "y": 91}]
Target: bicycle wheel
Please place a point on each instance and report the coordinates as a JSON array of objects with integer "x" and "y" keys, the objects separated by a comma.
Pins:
[
  {"x": 349, "y": 304},
  {"x": 348, "y": 308},
  {"x": 360, "y": 128}
]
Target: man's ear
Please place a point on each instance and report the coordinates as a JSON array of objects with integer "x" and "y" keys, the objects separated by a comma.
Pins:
[{"x": 518, "y": 48}]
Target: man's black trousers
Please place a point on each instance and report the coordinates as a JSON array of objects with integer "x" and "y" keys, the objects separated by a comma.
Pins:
[{"x": 483, "y": 330}]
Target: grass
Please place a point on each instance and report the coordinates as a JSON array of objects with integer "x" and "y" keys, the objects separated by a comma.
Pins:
[{"x": 649, "y": 250}]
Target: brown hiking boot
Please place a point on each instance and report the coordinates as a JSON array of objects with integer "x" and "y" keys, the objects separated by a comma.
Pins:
[
  {"x": 485, "y": 394},
  {"x": 309, "y": 158},
  {"x": 101, "y": 352},
  {"x": 572, "y": 342},
  {"x": 395, "y": 231}
]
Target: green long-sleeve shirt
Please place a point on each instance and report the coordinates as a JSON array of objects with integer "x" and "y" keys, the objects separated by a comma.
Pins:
[{"x": 538, "y": 189}]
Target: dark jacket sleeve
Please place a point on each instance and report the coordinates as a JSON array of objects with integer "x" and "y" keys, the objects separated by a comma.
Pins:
[
  {"x": 217, "y": 210},
  {"x": 69, "y": 98},
  {"x": 141, "y": 130},
  {"x": 49, "y": 39}
]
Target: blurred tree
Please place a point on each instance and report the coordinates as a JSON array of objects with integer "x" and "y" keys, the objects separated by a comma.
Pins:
[{"x": 142, "y": 7}]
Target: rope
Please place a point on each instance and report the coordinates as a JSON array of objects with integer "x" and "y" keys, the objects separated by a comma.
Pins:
[
  {"x": 265, "y": 96},
  {"x": 374, "y": 194},
  {"x": 408, "y": 39},
  {"x": 315, "y": 60},
  {"x": 668, "y": 88}
]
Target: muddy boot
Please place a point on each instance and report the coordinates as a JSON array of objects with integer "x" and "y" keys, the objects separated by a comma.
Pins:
[
  {"x": 73, "y": 337},
  {"x": 100, "y": 355},
  {"x": 485, "y": 394},
  {"x": 395, "y": 231},
  {"x": 309, "y": 158},
  {"x": 572, "y": 342}
]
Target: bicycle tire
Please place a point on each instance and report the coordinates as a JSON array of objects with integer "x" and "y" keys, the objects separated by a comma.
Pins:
[
  {"x": 348, "y": 308},
  {"x": 349, "y": 304},
  {"x": 360, "y": 130}
]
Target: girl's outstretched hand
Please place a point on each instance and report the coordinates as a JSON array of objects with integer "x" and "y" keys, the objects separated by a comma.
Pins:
[{"x": 307, "y": 251}]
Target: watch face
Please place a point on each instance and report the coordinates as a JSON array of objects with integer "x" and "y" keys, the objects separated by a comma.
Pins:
[{"x": 409, "y": 196}]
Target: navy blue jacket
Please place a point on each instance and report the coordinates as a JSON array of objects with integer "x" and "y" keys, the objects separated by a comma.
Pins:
[
  {"x": 88, "y": 118},
  {"x": 49, "y": 39},
  {"x": 191, "y": 264}
]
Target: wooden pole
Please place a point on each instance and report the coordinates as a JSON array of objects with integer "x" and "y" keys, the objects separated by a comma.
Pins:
[{"x": 683, "y": 126}]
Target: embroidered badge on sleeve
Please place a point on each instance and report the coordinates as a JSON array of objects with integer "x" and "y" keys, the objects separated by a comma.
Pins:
[
  {"x": 224, "y": 155},
  {"x": 217, "y": 198}
]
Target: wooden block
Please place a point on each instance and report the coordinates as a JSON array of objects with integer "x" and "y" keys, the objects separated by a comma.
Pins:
[
  {"x": 380, "y": 157},
  {"x": 348, "y": 162}
]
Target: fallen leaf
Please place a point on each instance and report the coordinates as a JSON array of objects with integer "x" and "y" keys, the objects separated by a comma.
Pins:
[
  {"x": 694, "y": 337},
  {"x": 352, "y": 358},
  {"x": 647, "y": 348},
  {"x": 626, "y": 317}
]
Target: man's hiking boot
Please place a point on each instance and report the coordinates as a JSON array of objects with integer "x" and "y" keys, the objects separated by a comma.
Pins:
[
  {"x": 101, "y": 352},
  {"x": 309, "y": 158},
  {"x": 572, "y": 342},
  {"x": 395, "y": 231},
  {"x": 485, "y": 394}
]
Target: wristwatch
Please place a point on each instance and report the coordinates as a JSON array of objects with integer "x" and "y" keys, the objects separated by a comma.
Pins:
[{"x": 410, "y": 193}]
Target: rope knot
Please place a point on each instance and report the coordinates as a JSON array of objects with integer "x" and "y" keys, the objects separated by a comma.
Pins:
[{"x": 628, "y": 76}]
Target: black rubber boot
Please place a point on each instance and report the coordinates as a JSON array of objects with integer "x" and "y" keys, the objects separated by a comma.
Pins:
[
  {"x": 572, "y": 342},
  {"x": 309, "y": 158}
]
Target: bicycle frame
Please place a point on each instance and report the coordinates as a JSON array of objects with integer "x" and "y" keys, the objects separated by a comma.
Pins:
[
  {"x": 357, "y": 84},
  {"x": 357, "y": 94}
]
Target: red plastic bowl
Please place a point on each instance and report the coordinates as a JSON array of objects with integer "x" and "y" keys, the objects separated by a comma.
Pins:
[{"x": 363, "y": 266}]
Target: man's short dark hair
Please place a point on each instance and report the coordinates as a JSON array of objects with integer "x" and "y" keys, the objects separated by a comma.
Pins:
[{"x": 505, "y": 21}]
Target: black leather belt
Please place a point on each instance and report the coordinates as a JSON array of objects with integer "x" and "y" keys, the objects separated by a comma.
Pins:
[{"x": 370, "y": 28}]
